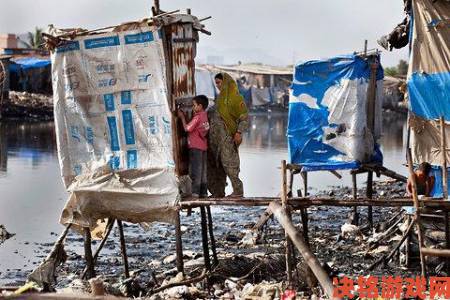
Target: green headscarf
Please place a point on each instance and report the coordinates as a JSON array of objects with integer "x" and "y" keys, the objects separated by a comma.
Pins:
[{"x": 230, "y": 104}]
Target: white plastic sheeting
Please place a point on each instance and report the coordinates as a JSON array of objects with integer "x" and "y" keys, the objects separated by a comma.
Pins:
[{"x": 113, "y": 127}]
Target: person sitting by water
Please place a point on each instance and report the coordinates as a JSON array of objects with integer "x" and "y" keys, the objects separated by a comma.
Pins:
[
  {"x": 424, "y": 181},
  {"x": 197, "y": 130}
]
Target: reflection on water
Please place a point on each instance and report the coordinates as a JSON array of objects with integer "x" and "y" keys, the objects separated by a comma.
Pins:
[
  {"x": 33, "y": 141},
  {"x": 267, "y": 131},
  {"x": 32, "y": 193}
]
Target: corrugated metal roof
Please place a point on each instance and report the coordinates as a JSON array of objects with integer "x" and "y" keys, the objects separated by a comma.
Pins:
[{"x": 257, "y": 69}]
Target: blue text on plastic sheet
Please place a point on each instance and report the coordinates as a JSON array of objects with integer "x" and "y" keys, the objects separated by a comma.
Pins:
[
  {"x": 139, "y": 38},
  {"x": 125, "y": 97},
  {"x": 112, "y": 124},
  {"x": 109, "y": 102},
  {"x": 128, "y": 128},
  {"x": 89, "y": 135},
  {"x": 132, "y": 159},
  {"x": 114, "y": 162},
  {"x": 71, "y": 46},
  {"x": 102, "y": 42}
]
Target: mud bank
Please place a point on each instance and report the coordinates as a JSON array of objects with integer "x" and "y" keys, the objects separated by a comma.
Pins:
[{"x": 247, "y": 261}]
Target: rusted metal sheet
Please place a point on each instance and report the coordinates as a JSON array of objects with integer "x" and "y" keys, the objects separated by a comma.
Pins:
[
  {"x": 180, "y": 48},
  {"x": 183, "y": 55}
]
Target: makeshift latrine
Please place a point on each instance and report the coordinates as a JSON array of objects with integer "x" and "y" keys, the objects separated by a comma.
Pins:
[
  {"x": 335, "y": 113},
  {"x": 120, "y": 148},
  {"x": 429, "y": 86}
]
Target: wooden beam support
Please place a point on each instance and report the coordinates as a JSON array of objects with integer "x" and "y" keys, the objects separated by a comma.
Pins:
[
  {"x": 435, "y": 252},
  {"x": 211, "y": 236},
  {"x": 109, "y": 227},
  {"x": 179, "y": 243},
  {"x": 369, "y": 193},
  {"x": 299, "y": 242},
  {"x": 288, "y": 253},
  {"x": 417, "y": 212},
  {"x": 88, "y": 253},
  {"x": 123, "y": 249},
  {"x": 444, "y": 159},
  {"x": 299, "y": 202},
  {"x": 205, "y": 239}
]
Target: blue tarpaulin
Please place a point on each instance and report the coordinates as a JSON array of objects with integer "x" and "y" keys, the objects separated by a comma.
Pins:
[
  {"x": 327, "y": 127},
  {"x": 28, "y": 63}
]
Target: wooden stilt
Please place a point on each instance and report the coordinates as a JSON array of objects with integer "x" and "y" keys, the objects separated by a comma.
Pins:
[
  {"x": 88, "y": 254},
  {"x": 205, "y": 239},
  {"x": 299, "y": 242},
  {"x": 369, "y": 194},
  {"x": 355, "y": 220},
  {"x": 288, "y": 249},
  {"x": 179, "y": 243},
  {"x": 447, "y": 239},
  {"x": 304, "y": 215},
  {"x": 291, "y": 183},
  {"x": 211, "y": 236},
  {"x": 109, "y": 227},
  {"x": 444, "y": 159},
  {"x": 123, "y": 249},
  {"x": 305, "y": 183},
  {"x": 417, "y": 213}
]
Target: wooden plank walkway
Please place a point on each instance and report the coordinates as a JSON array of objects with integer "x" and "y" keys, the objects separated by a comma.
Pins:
[{"x": 309, "y": 201}]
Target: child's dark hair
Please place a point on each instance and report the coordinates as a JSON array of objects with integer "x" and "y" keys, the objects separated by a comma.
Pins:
[
  {"x": 425, "y": 167},
  {"x": 218, "y": 76},
  {"x": 202, "y": 100}
]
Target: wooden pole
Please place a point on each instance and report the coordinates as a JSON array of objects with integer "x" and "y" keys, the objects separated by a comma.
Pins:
[
  {"x": 109, "y": 227},
  {"x": 444, "y": 158},
  {"x": 369, "y": 194},
  {"x": 305, "y": 183},
  {"x": 179, "y": 243},
  {"x": 88, "y": 254},
  {"x": 355, "y": 197},
  {"x": 299, "y": 242},
  {"x": 288, "y": 253},
  {"x": 211, "y": 236},
  {"x": 412, "y": 177},
  {"x": 447, "y": 238},
  {"x": 123, "y": 249},
  {"x": 205, "y": 239}
]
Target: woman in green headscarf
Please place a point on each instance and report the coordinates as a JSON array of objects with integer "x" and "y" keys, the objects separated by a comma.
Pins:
[{"x": 228, "y": 120}]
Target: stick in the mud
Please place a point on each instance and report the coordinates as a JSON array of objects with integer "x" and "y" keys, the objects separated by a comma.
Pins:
[
  {"x": 123, "y": 249},
  {"x": 416, "y": 206},
  {"x": 179, "y": 243},
  {"x": 88, "y": 254},
  {"x": 444, "y": 159},
  {"x": 205, "y": 239},
  {"x": 288, "y": 253},
  {"x": 262, "y": 220},
  {"x": 109, "y": 227},
  {"x": 389, "y": 256},
  {"x": 355, "y": 197},
  {"x": 447, "y": 239},
  {"x": 211, "y": 235},
  {"x": 369, "y": 193},
  {"x": 299, "y": 242}
]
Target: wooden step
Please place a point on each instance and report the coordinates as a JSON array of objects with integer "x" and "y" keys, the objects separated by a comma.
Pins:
[{"x": 435, "y": 252}]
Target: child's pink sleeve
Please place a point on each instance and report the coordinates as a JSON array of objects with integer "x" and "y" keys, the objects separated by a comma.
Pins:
[{"x": 192, "y": 124}]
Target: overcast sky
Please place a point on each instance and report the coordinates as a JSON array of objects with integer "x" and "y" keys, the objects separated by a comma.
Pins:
[{"x": 274, "y": 32}]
